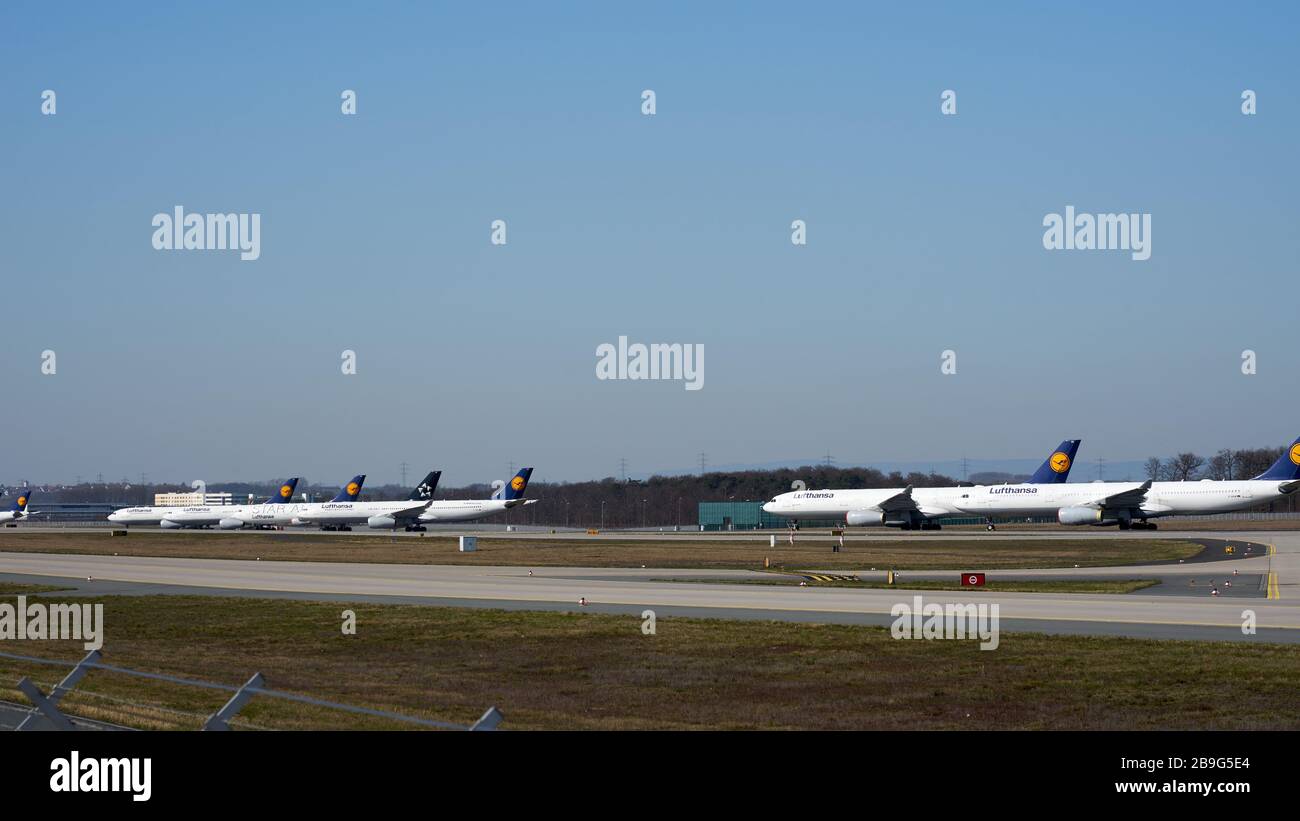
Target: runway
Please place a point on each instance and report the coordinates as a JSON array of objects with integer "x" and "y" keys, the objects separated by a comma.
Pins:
[{"x": 727, "y": 593}]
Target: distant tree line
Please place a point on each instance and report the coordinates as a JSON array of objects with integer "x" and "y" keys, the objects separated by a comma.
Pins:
[{"x": 1224, "y": 465}]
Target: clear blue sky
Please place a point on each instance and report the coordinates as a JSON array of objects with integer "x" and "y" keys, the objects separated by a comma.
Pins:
[{"x": 924, "y": 234}]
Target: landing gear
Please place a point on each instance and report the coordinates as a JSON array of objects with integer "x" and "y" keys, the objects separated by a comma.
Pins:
[
  {"x": 1145, "y": 526},
  {"x": 1125, "y": 524},
  {"x": 988, "y": 525},
  {"x": 416, "y": 528},
  {"x": 335, "y": 527},
  {"x": 930, "y": 526}
]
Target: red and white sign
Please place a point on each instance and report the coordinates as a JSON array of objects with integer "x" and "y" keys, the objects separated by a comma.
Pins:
[{"x": 972, "y": 580}]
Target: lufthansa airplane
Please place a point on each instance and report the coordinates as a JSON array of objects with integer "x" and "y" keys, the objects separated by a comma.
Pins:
[
  {"x": 466, "y": 510},
  {"x": 178, "y": 516},
  {"x": 916, "y": 508},
  {"x": 1131, "y": 505},
  {"x": 340, "y": 514},
  {"x": 18, "y": 510}
]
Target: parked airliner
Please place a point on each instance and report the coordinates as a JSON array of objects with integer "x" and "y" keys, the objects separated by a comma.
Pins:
[
  {"x": 909, "y": 508},
  {"x": 1134, "y": 504},
  {"x": 18, "y": 510},
  {"x": 340, "y": 514},
  {"x": 465, "y": 510},
  {"x": 1125, "y": 504},
  {"x": 178, "y": 516}
]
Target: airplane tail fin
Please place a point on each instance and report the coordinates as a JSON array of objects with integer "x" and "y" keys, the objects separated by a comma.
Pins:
[
  {"x": 424, "y": 491},
  {"x": 350, "y": 491},
  {"x": 20, "y": 501},
  {"x": 284, "y": 495},
  {"x": 516, "y": 487},
  {"x": 1057, "y": 467},
  {"x": 1287, "y": 467}
]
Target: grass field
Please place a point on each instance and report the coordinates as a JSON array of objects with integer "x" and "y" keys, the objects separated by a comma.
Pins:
[
  {"x": 9, "y": 591},
  {"x": 592, "y": 671},
  {"x": 808, "y": 552}
]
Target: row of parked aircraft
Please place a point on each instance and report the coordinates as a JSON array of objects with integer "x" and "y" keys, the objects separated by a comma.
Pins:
[
  {"x": 1130, "y": 505},
  {"x": 339, "y": 513}
]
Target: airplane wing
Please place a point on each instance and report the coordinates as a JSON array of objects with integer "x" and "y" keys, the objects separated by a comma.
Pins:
[
  {"x": 1131, "y": 498},
  {"x": 416, "y": 508},
  {"x": 898, "y": 502}
]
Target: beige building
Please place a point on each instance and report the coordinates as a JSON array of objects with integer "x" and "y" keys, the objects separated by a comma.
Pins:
[{"x": 185, "y": 499}]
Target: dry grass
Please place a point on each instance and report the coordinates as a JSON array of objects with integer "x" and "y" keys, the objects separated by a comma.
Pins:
[
  {"x": 591, "y": 671},
  {"x": 808, "y": 552}
]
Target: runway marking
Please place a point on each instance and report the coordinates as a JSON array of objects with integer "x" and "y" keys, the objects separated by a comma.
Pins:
[
  {"x": 1274, "y": 592},
  {"x": 824, "y": 577}
]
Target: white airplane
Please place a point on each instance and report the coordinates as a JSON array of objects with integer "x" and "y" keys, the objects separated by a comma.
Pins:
[
  {"x": 1126, "y": 504},
  {"x": 340, "y": 513},
  {"x": 178, "y": 516},
  {"x": 914, "y": 508},
  {"x": 18, "y": 510},
  {"x": 1131, "y": 505},
  {"x": 465, "y": 510}
]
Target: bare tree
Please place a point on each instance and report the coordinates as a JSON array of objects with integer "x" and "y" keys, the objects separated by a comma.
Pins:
[
  {"x": 1222, "y": 466},
  {"x": 1254, "y": 461},
  {"x": 1153, "y": 468},
  {"x": 1184, "y": 467}
]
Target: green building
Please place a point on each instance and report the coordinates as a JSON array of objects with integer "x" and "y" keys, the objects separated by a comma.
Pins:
[{"x": 749, "y": 516}]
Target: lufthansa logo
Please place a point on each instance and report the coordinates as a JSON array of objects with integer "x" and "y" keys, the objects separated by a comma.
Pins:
[
  {"x": 1295, "y": 453},
  {"x": 517, "y": 483},
  {"x": 285, "y": 491},
  {"x": 22, "y": 500},
  {"x": 1060, "y": 462},
  {"x": 353, "y": 488}
]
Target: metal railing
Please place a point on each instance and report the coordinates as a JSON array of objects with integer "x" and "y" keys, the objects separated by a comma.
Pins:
[{"x": 46, "y": 707}]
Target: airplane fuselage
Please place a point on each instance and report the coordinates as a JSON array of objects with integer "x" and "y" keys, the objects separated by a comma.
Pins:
[{"x": 1161, "y": 499}]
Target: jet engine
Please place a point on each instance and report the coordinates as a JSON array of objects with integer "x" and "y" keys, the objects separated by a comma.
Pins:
[
  {"x": 230, "y": 524},
  {"x": 168, "y": 524},
  {"x": 1079, "y": 516},
  {"x": 864, "y": 518},
  {"x": 381, "y": 522}
]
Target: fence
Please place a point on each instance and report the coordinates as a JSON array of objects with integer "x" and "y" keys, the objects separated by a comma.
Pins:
[{"x": 46, "y": 707}]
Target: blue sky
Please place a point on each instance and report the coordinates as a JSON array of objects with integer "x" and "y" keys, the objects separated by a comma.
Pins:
[{"x": 924, "y": 234}]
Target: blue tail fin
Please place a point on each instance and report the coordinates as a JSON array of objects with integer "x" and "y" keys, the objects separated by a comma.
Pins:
[
  {"x": 20, "y": 500},
  {"x": 1287, "y": 467},
  {"x": 424, "y": 491},
  {"x": 351, "y": 490},
  {"x": 284, "y": 495},
  {"x": 515, "y": 489},
  {"x": 1057, "y": 467}
]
